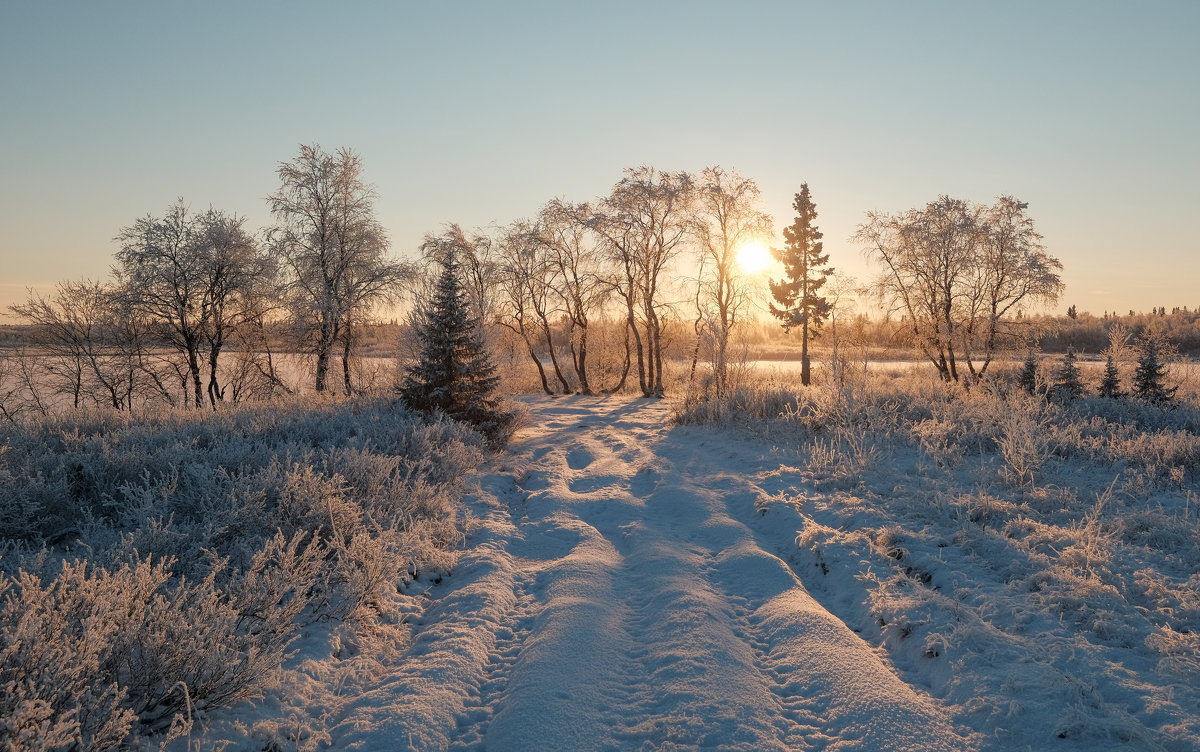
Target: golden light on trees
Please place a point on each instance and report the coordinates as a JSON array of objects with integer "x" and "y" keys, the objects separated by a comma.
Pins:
[{"x": 753, "y": 257}]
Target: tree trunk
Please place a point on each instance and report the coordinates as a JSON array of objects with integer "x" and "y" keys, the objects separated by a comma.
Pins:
[
  {"x": 628, "y": 363},
  {"x": 579, "y": 357},
  {"x": 216, "y": 393},
  {"x": 805, "y": 366},
  {"x": 194, "y": 369},
  {"x": 558, "y": 374},
  {"x": 346, "y": 368},
  {"x": 641, "y": 359}
]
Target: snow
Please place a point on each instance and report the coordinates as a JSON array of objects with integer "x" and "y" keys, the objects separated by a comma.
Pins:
[{"x": 618, "y": 592}]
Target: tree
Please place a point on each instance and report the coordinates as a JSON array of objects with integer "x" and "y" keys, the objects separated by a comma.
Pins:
[
  {"x": 959, "y": 274},
  {"x": 197, "y": 278},
  {"x": 161, "y": 272},
  {"x": 728, "y": 217},
  {"x": 97, "y": 346},
  {"x": 798, "y": 296},
  {"x": 332, "y": 251},
  {"x": 1110, "y": 385},
  {"x": 1067, "y": 384},
  {"x": 525, "y": 295},
  {"x": 1028, "y": 377},
  {"x": 238, "y": 284},
  {"x": 576, "y": 276},
  {"x": 1150, "y": 375},
  {"x": 1072, "y": 313},
  {"x": 643, "y": 225},
  {"x": 454, "y": 373}
]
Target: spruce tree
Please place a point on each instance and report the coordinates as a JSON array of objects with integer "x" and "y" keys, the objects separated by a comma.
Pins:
[
  {"x": 1149, "y": 378},
  {"x": 1110, "y": 385},
  {"x": 800, "y": 303},
  {"x": 1067, "y": 385},
  {"x": 454, "y": 373},
  {"x": 1027, "y": 378}
]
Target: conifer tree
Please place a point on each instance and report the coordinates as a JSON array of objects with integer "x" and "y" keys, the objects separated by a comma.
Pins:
[
  {"x": 1027, "y": 378},
  {"x": 1110, "y": 385},
  {"x": 1150, "y": 375},
  {"x": 454, "y": 373},
  {"x": 1067, "y": 385},
  {"x": 800, "y": 303}
]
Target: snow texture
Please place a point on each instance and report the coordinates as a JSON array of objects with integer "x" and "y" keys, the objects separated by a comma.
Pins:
[{"x": 614, "y": 595}]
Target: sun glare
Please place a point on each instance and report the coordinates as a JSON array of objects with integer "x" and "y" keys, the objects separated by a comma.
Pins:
[{"x": 753, "y": 257}]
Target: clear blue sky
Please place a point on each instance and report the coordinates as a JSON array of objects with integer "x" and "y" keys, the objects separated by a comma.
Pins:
[{"x": 480, "y": 112}]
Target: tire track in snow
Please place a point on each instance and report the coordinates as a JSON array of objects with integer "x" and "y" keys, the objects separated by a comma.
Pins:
[{"x": 613, "y": 601}]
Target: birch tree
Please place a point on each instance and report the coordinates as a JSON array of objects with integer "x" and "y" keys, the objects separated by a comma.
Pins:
[
  {"x": 644, "y": 224},
  {"x": 728, "y": 216},
  {"x": 332, "y": 252}
]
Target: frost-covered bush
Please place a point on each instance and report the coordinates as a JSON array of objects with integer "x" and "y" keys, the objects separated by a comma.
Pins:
[{"x": 160, "y": 564}]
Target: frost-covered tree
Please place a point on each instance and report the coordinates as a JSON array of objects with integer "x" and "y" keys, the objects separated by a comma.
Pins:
[
  {"x": 1149, "y": 378},
  {"x": 959, "y": 274},
  {"x": 642, "y": 226},
  {"x": 332, "y": 252},
  {"x": 454, "y": 373},
  {"x": 728, "y": 217},
  {"x": 798, "y": 296},
  {"x": 1110, "y": 385},
  {"x": 1067, "y": 384}
]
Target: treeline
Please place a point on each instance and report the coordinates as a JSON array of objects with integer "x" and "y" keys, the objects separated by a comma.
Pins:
[{"x": 1091, "y": 334}]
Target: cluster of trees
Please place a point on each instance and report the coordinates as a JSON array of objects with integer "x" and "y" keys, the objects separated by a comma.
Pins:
[
  {"x": 187, "y": 287},
  {"x": 551, "y": 279},
  {"x": 1148, "y": 354},
  {"x": 958, "y": 273},
  {"x": 190, "y": 288}
]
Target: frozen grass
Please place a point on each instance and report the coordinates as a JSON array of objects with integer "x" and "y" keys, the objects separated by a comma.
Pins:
[
  {"x": 160, "y": 565},
  {"x": 1034, "y": 565}
]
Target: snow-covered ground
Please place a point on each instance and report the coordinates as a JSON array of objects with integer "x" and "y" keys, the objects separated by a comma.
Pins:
[
  {"x": 629, "y": 583},
  {"x": 620, "y": 590}
]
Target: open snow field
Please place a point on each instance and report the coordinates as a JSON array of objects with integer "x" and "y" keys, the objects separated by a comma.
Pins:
[{"x": 622, "y": 591}]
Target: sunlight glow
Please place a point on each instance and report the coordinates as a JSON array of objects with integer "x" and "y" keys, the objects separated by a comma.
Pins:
[{"x": 753, "y": 257}]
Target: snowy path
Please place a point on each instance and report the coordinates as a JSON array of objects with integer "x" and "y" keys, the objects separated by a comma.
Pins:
[{"x": 614, "y": 598}]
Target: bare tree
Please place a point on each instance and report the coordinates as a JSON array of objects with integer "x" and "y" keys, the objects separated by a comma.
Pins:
[
  {"x": 644, "y": 224},
  {"x": 956, "y": 271},
  {"x": 160, "y": 269},
  {"x": 93, "y": 346},
  {"x": 578, "y": 276},
  {"x": 728, "y": 216},
  {"x": 524, "y": 302},
  {"x": 332, "y": 252},
  {"x": 238, "y": 285}
]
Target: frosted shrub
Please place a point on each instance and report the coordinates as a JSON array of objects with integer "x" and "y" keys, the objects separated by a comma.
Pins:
[
  {"x": 1023, "y": 440},
  {"x": 256, "y": 519}
]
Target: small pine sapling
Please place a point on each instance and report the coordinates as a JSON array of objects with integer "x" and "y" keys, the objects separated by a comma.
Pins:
[
  {"x": 1110, "y": 385},
  {"x": 1027, "y": 378},
  {"x": 1150, "y": 376},
  {"x": 1067, "y": 384}
]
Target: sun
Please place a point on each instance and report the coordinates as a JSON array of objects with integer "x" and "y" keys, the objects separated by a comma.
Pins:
[{"x": 753, "y": 257}]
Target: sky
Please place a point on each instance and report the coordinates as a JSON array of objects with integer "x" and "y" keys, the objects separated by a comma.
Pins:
[{"x": 480, "y": 112}]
